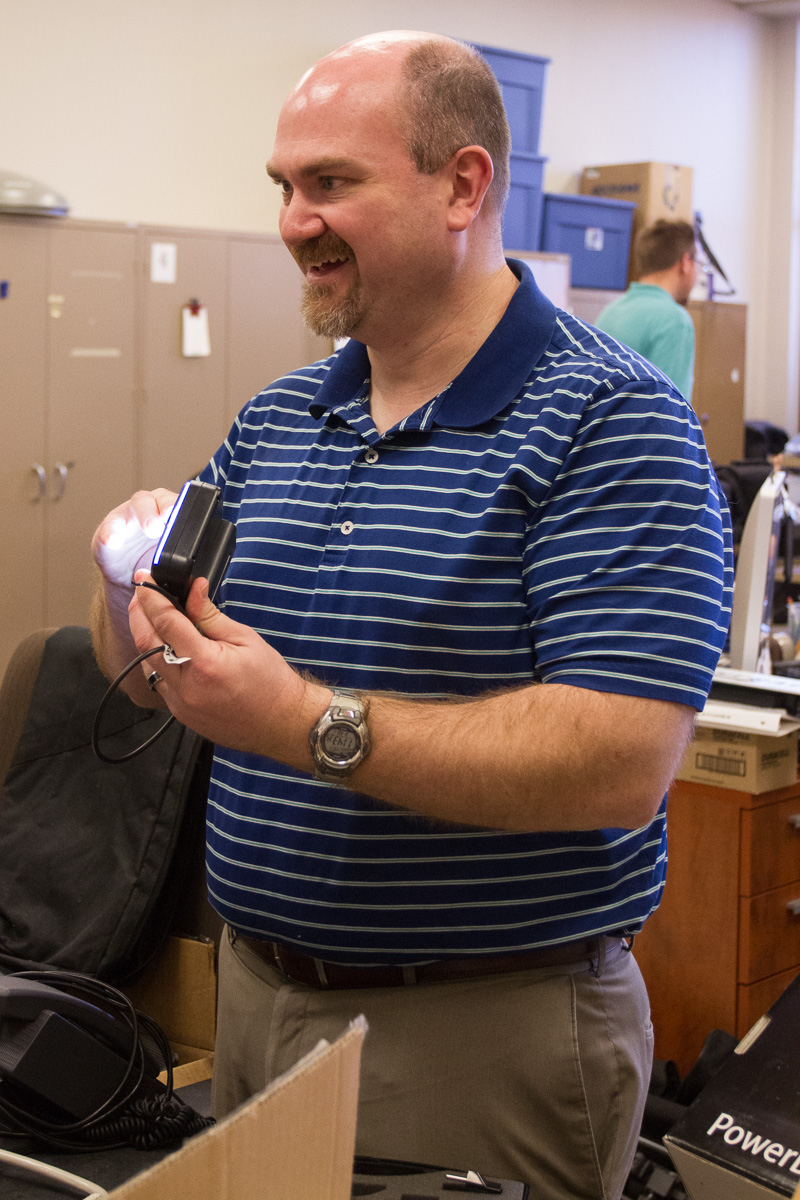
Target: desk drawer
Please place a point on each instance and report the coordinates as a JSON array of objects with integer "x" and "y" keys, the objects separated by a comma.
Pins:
[
  {"x": 769, "y": 933},
  {"x": 770, "y": 847}
]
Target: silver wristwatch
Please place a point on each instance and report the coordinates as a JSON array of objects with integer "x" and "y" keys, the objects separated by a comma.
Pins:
[{"x": 340, "y": 739}]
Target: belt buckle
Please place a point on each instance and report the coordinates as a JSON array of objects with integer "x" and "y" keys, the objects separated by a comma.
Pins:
[
  {"x": 322, "y": 979},
  {"x": 276, "y": 954}
]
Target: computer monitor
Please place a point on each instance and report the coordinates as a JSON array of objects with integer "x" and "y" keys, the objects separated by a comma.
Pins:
[{"x": 754, "y": 581}]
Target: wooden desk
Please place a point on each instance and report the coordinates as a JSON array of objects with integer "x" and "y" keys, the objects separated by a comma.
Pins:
[{"x": 725, "y": 941}]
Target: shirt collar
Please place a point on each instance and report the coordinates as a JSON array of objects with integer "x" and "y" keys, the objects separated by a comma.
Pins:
[{"x": 491, "y": 379}]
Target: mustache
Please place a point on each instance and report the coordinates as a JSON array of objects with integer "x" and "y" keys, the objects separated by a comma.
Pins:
[{"x": 316, "y": 251}]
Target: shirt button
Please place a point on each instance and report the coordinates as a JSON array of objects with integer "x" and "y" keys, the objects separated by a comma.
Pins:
[
  {"x": 371, "y": 456},
  {"x": 347, "y": 527}
]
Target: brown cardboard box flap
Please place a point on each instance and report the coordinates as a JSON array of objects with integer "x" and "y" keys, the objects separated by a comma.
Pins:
[{"x": 293, "y": 1141}]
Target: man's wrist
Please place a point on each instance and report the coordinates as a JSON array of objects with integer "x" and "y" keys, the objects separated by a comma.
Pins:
[{"x": 340, "y": 738}]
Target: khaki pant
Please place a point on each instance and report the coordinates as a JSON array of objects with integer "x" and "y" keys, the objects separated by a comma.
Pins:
[{"x": 538, "y": 1076}]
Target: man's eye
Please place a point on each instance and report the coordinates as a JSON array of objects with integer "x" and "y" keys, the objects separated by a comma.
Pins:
[{"x": 328, "y": 183}]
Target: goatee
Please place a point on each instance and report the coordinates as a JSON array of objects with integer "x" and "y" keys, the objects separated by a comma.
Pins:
[
  {"x": 322, "y": 313},
  {"x": 328, "y": 317}
]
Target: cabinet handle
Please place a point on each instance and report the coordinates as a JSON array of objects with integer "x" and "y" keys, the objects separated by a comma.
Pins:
[
  {"x": 794, "y": 907},
  {"x": 794, "y": 820},
  {"x": 39, "y": 471},
  {"x": 60, "y": 471}
]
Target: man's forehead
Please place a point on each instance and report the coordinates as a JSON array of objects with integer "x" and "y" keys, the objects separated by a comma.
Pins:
[
  {"x": 348, "y": 116},
  {"x": 375, "y": 60},
  {"x": 358, "y": 80}
]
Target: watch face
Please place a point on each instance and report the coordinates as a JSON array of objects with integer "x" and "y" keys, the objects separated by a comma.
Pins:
[{"x": 341, "y": 742}]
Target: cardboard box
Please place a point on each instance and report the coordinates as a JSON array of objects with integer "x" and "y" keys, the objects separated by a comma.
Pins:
[
  {"x": 179, "y": 991},
  {"x": 657, "y": 190},
  {"x": 746, "y": 762},
  {"x": 740, "y": 1139},
  {"x": 293, "y": 1141}
]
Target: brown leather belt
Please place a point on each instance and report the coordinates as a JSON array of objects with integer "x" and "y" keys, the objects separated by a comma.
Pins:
[{"x": 301, "y": 968}]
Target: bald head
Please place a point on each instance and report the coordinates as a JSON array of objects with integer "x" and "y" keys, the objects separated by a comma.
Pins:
[{"x": 440, "y": 94}]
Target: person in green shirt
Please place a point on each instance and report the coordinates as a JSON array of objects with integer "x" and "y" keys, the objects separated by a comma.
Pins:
[{"x": 651, "y": 317}]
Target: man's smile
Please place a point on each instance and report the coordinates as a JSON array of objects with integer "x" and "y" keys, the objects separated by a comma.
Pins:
[{"x": 323, "y": 271}]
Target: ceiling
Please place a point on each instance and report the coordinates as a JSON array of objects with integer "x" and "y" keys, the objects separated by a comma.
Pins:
[{"x": 770, "y": 8}]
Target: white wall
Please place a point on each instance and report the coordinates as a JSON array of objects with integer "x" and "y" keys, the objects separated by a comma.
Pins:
[
  {"x": 164, "y": 110},
  {"x": 774, "y": 326}
]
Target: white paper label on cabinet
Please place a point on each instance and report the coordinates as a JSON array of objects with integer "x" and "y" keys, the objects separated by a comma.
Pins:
[
  {"x": 196, "y": 340},
  {"x": 163, "y": 262}
]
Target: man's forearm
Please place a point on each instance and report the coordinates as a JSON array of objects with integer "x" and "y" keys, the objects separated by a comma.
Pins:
[{"x": 546, "y": 757}]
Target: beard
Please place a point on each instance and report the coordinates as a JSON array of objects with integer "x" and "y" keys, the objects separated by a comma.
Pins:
[
  {"x": 328, "y": 316},
  {"x": 322, "y": 312}
]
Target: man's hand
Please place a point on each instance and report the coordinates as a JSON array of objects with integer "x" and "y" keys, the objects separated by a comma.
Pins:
[
  {"x": 126, "y": 540},
  {"x": 235, "y": 689}
]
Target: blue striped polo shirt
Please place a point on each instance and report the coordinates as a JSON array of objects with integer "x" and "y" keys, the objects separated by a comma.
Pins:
[{"x": 552, "y": 515}]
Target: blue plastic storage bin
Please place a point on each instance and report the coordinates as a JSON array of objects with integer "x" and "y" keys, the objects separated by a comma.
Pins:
[
  {"x": 521, "y": 78},
  {"x": 595, "y": 232},
  {"x": 522, "y": 221}
]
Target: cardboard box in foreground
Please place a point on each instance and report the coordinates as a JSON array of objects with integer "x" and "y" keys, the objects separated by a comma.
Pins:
[
  {"x": 293, "y": 1141},
  {"x": 746, "y": 762}
]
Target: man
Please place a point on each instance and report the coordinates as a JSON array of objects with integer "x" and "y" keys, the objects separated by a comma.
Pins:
[
  {"x": 478, "y": 520},
  {"x": 652, "y": 317}
]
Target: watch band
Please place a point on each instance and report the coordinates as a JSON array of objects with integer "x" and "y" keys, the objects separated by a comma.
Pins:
[{"x": 340, "y": 739}]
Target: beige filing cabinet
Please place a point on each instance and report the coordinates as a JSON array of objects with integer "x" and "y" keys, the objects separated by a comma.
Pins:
[
  {"x": 250, "y": 287},
  {"x": 67, "y": 344},
  {"x": 718, "y": 397},
  {"x": 97, "y": 397}
]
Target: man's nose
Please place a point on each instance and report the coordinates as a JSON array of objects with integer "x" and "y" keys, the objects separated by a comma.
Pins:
[{"x": 300, "y": 221}]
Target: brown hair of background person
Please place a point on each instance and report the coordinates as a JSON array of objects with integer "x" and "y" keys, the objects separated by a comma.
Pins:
[
  {"x": 452, "y": 101},
  {"x": 662, "y": 244}
]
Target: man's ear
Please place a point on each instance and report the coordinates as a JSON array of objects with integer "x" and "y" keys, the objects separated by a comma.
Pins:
[{"x": 470, "y": 173}]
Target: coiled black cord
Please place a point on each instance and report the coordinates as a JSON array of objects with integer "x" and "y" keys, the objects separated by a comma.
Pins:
[{"x": 150, "y": 1123}]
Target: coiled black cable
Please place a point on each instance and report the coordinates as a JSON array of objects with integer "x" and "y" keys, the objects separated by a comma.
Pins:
[{"x": 150, "y": 1123}]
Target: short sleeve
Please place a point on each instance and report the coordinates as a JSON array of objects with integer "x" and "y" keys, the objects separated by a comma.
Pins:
[{"x": 628, "y": 567}]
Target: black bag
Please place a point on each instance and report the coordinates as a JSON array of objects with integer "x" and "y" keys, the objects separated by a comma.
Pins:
[{"x": 89, "y": 874}]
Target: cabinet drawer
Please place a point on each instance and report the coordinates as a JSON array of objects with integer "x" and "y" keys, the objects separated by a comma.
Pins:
[
  {"x": 769, "y": 933},
  {"x": 753, "y": 999},
  {"x": 770, "y": 846}
]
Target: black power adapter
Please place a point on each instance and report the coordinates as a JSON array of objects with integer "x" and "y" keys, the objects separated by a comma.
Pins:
[{"x": 56, "y": 1062}]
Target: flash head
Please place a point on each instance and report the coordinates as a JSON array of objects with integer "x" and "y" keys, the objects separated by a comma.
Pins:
[{"x": 197, "y": 542}]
